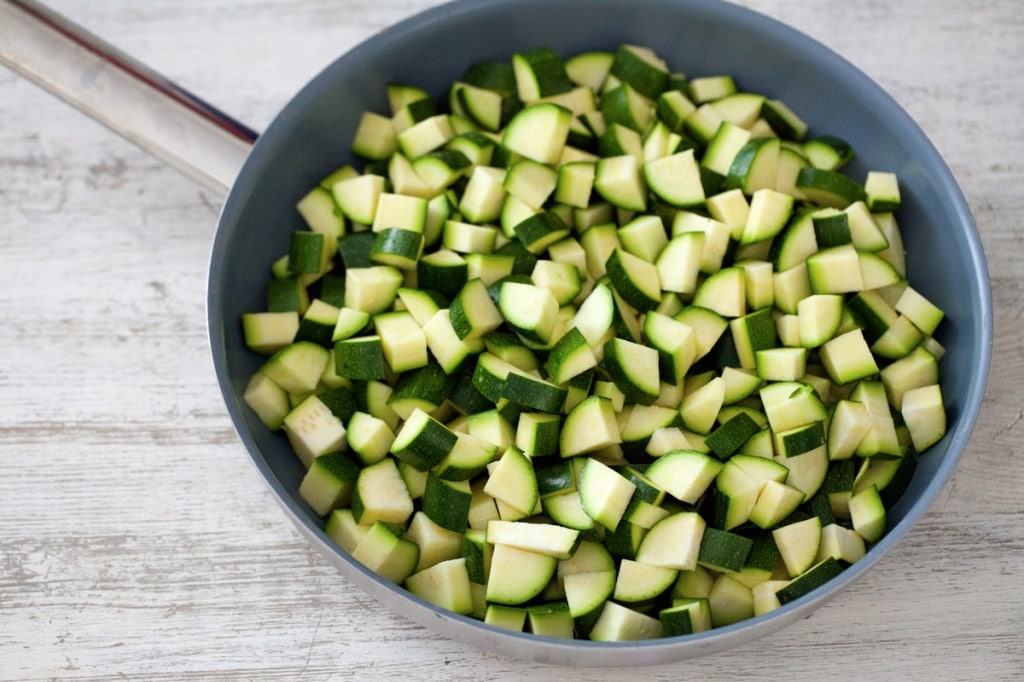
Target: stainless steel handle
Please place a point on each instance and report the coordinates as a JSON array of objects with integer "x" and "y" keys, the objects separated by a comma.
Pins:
[{"x": 127, "y": 96}]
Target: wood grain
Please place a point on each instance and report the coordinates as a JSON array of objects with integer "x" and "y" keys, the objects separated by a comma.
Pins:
[{"x": 138, "y": 542}]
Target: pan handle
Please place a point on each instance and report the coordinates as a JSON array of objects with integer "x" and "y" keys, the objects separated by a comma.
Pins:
[{"x": 125, "y": 95}]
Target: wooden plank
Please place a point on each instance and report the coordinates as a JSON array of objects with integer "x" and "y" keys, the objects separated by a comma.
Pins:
[{"x": 138, "y": 541}]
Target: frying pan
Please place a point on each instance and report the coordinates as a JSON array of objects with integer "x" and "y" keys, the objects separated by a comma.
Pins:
[{"x": 268, "y": 173}]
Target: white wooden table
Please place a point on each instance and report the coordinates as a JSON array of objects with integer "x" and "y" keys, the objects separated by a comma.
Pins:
[{"x": 136, "y": 539}]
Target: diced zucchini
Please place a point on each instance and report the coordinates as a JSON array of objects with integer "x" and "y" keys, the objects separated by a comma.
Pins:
[
  {"x": 587, "y": 592},
  {"x": 538, "y": 132},
  {"x": 674, "y": 542},
  {"x": 724, "y": 292},
  {"x": 444, "y": 343},
  {"x": 402, "y": 341},
  {"x": 390, "y": 556},
  {"x": 516, "y": 575},
  {"x": 882, "y": 190},
  {"x": 268, "y": 332},
  {"x": 507, "y": 617},
  {"x": 686, "y": 616},
  {"x": 369, "y": 437},
  {"x": 751, "y": 333},
  {"x": 639, "y": 582},
  {"x": 925, "y": 315},
  {"x": 725, "y": 440},
  {"x": 267, "y": 399},
  {"x": 357, "y": 197},
  {"x": 798, "y": 544},
  {"x": 329, "y": 482},
  {"x": 700, "y": 407},
  {"x": 313, "y": 430},
  {"x": 676, "y": 179},
  {"x": 297, "y": 368},
  {"x": 531, "y": 310},
  {"x": 754, "y": 168},
  {"x": 619, "y": 623},
  {"x": 533, "y": 393},
  {"x": 848, "y": 358},
  {"x": 531, "y": 182},
  {"x": 679, "y": 262},
  {"x": 342, "y": 528},
  {"x": 840, "y": 543},
  {"x": 724, "y": 146},
  {"x": 732, "y": 209},
  {"x": 730, "y": 601},
  {"x": 445, "y": 584},
  {"x": 567, "y": 510},
  {"x": 551, "y": 619},
  {"x": 723, "y": 551},
  {"x": 775, "y": 502},
  {"x": 811, "y": 579},
  {"x": 620, "y": 181},
  {"x": 783, "y": 120},
  {"x": 710, "y": 88},
  {"x": 422, "y": 441},
  {"x": 381, "y": 495},
  {"x": 829, "y": 188},
  {"x": 513, "y": 390},
  {"x": 604, "y": 493},
  {"x": 634, "y": 368},
  {"x": 588, "y": 427},
  {"x": 684, "y": 474},
  {"x": 513, "y": 481},
  {"x": 372, "y": 289},
  {"x": 924, "y": 413},
  {"x": 867, "y": 514},
  {"x": 819, "y": 316},
  {"x": 570, "y": 357},
  {"x": 561, "y": 279},
  {"x": 543, "y": 538}
]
